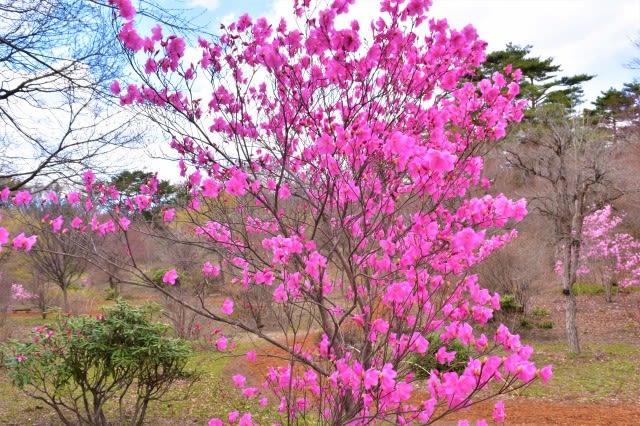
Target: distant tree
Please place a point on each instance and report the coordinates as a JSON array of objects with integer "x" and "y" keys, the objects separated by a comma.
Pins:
[
  {"x": 540, "y": 84},
  {"x": 61, "y": 254},
  {"x": 615, "y": 106},
  {"x": 128, "y": 183},
  {"x": 573, "y": 171},
  {"x": 612, "y": 256}
]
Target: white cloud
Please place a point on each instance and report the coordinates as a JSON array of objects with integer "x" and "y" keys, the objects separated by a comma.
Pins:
[
  {"x": 207, "y": 4},
  {"x": 583, "y": 36}
]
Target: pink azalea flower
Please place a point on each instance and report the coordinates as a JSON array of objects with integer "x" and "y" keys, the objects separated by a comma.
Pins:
[
  {"x": 170, "y": 277},
  {"x": 222, "y": 344},
  {"x": 498, "y": 412},
  {"x": 73, "y": 197},
  {"x": 227, "y": 307},
  {"x": 76, "y": 223},
  {"x": 115, "y": 87},
  {"x": 22, "y": 198},
  {"x": 546, "y": 373},
  {"x": 4, "y": 195},
  {"x": 239, "y": 380},
  {"x": 233, "y": 416},
  {"x": 168, "y": 215},
  {"x": 246, "y": 420},
  {"x": 124, "y": 223},
  {"x": 4, "y": 236},
  {"x": 56, "y": 224},
  {"x": 24, "y": 243},
  {"x": 210, "y": 270},
  {"x": 210, "y": 188}
]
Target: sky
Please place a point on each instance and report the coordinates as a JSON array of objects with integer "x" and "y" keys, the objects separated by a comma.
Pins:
[{"x": 583, "y": 36}]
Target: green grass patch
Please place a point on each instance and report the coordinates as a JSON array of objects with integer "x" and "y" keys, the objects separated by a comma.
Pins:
[
  {"x": 589, "y": 289},
  {"x": 539, "y": 312},
  {"x": 545, "y": 325},
  {"x": 601, "y": 372}
]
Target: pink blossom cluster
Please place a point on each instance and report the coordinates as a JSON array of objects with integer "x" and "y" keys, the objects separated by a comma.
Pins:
[
  {"x": 615, "y": 254},
  {"x": 18, "y": 292}
]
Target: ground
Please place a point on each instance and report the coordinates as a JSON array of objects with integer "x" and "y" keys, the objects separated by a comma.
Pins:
[{"x": 601, "y": 386}]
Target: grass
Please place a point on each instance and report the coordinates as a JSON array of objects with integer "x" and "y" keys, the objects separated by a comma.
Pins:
[
  {"x": 602, "y": 372},
  {"x": 212, "y": 395},
  {"x": 539, "y": 312},
  {"x": 590, "y": 289}
]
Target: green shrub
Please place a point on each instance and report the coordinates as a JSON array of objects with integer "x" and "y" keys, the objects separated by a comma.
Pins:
[
  {"x": 508, "y": 303},
  {"x": 539, "y": 312},
  {"x": 526, "y": 324},
  {"x": 545, "y": 325},
  {"x": 422, "y": 364},
  {"x": 81, "y": 363}
]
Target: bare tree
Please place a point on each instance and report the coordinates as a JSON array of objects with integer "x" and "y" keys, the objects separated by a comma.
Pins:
[
  {"x": 57, "y": 58},
  {"x": 572, "y": 167},
  {"x": 59, "y": 257}
]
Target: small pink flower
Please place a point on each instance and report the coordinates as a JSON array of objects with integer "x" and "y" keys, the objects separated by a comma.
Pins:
[
  {"x": 168, "y": 215},
  {"x": 115, "y": 87},
  {"x": 22, "y": 197},
  {"x": 76, "y": 223},
  {"x": 498, "y": 412},
  {"x": 215, "y": 422},
  {"x": 22, "y": 242},
  {"x": 124, "y": 223},
  {"x": 546, "y": 373},
  {"x": 251, "y": 356},
  {"x": 249, "y": 392},
  {"x": 210, "y": 270},
  {"x": 246, "y": 420},
  {"x": 222, "y": 344},
  {"x": 73, "y": 197},
  {"x": 233, "y": 416},
  {"x": 170, "y": 277},
  {"x": 227, "y": 307},
  {"x": 239, "y": 380},
  {"x": 4, "y": 236},
  {"x": 210, "y": 188}
]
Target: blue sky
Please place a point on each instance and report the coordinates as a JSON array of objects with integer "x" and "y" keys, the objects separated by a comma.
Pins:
[{"x": 583, "y": 36}]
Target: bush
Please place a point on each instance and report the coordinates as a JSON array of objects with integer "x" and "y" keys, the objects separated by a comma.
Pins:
[
  {"x": 422, "y": 364},
  {"x": 539, "y": 312},
  {"x": 526, "y": 324},
  {"x": 81, "y": 363},
  {"x": 545, "y": 325},
  {"x": 508, "y": 303}
]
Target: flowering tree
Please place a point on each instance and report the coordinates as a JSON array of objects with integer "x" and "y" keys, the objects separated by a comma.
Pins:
[
  {"x": 329, "y": 172},
  {"x": 614, "y": 257}
]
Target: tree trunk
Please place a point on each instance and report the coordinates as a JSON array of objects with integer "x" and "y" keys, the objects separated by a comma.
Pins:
[
  {"x": 572, "y": 330},
  {"x": 65, "y": 296},
  {"x": 607, "y": 291}
]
